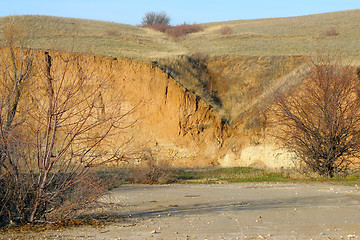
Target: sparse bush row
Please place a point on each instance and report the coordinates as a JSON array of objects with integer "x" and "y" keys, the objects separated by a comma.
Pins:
[{"x": 176, "y": 31}]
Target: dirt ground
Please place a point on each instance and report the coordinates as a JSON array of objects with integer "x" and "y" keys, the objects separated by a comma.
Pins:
[{"x": 224, "y": 211}]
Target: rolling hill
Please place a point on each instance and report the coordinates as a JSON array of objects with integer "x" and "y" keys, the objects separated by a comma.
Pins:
[{"x": 303, "y": 35}]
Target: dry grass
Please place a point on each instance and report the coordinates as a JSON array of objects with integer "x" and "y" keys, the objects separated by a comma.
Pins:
[
  {"x": 234, "y": 86},
  {"x": 225, "y": 30},
  {"x": 282, "y": 36},
  {"x": 151, "y": 169},
  {"x": 263, "y": 37},
  {"x": 95, "y": 37}
]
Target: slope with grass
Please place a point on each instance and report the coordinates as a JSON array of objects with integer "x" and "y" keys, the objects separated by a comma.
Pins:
[
  {"x": 232, "y": 85},
  {"x": 93, "y": 37},
  {"x": 303, "y": 35}
]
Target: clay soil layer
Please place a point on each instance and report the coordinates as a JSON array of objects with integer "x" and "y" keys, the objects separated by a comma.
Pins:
[{"x": 225, "y": 211}]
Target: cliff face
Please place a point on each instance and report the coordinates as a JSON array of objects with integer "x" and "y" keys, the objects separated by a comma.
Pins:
[
  {"x": 180, "y": 126},
  {"x": 175, "y": 123},
  {"x": 185, "y": 129}
]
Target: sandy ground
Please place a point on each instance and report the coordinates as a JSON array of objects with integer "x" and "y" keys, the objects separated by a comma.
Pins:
[{"x": 225, "y": 211}]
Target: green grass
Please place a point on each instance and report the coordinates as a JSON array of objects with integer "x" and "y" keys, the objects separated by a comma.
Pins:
[
  {"x": 301, "y": 35},
  {"x": 248, "y": 174},
  {"x": 231, "y": 175},
  {"x": 118, "y": 176}
]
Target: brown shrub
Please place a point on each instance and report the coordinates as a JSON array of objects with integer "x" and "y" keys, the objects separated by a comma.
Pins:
[
  {"x": 151, "y": 170},
  {"x": 226, "y": 30},
  {"x": 176, "y": 31},
  {"x": 160, "y": 27},
  {"x": 330, "y": 32},
  {"x": 183, "y": 29}
]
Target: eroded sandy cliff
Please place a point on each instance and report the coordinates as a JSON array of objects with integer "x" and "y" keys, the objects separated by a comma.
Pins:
[{"x": 184, "y": 128}]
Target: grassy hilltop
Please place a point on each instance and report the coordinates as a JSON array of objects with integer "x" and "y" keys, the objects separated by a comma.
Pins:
[{"x": 304, "y": 35}]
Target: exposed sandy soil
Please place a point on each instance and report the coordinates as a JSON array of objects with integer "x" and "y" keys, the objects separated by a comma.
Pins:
[{"x": 225, "y": 211}]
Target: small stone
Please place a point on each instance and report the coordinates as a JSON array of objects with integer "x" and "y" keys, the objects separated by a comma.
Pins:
[
  {"x": 351, "y": 236},
  {"x": 153, "y": 232},
  {"x": 322, "y": 233}
]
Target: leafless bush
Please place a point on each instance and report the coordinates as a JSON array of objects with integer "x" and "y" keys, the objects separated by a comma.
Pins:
[
  {"x": 320, "y": 122},
  {"x": 50, "y": 138},
  {"x": 176, "y": 31},
  {"x": 153, "y": 18},
  {"x": 151, "y": 169},
  {"x": 226, "y": 30},
  {"x": 330, "y": 32}
]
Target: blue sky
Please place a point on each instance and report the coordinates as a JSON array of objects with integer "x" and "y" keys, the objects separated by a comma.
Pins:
[{"x": 190, "y": 11}]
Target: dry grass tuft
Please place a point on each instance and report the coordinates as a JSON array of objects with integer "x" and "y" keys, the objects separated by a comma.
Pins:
[
  {"x": 225, "y": 30},
  {"x": 151, "y": 170},
  {"x": 330, "y": 32}
]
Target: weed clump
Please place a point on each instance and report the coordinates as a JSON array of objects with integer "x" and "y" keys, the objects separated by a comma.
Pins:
[
  {"x": 330, "y": 32},
  {"x": 225, "y": 30},
  {"x": 151, "y": 169}
]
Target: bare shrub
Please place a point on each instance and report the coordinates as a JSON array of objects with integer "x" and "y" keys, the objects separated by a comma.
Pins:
[
  {"x": 183, "y": 29},
  {"x": 320, "y": 121},
  {"x": 151, "y": 169},
  {"x": 160, "y": 22},
  {"x": 225, "y": 30},
  {"x": 330, "y": 32},
  {"x": 50, "y": 142},
  {"x": 155, "y": 18}
]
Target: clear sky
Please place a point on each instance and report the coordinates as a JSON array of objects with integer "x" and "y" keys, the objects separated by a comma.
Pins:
[{"x": 180, "y": 11}]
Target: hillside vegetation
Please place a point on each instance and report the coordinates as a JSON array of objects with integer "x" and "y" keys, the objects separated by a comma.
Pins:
[
  {"x": 304, "y": 35},
  {"x": 94, "y": 37},
  {"x": 234, "y": 86}
]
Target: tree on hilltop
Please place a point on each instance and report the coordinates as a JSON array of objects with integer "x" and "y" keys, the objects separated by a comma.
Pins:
[{"x": 155, "y": 18}]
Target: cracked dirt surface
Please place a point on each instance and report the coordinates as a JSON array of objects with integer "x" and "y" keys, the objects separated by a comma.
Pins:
[{"x": 224, "y": 211}]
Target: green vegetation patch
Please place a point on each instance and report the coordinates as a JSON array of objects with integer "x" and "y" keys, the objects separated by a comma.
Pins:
[
  {"x": 230, "y": 175},
  {"x": 117, "y": 176}
]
